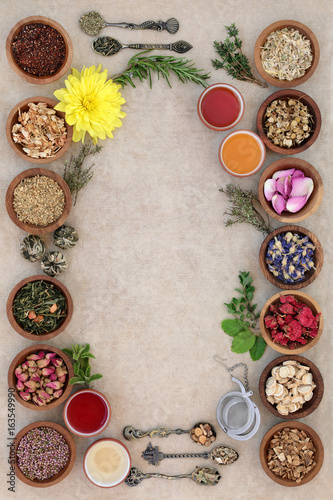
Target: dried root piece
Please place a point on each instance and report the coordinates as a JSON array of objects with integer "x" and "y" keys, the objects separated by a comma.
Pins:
[
  {"x": 290, "y": 454},
  {"x": 203, "y": 434}
]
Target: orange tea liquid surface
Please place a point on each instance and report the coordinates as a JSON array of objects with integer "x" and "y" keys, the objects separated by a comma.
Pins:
[
  {"x": 220, "y": 107},
  {"x": 241, "y": 153}
]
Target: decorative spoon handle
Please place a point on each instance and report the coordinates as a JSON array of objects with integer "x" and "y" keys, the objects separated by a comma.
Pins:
[
  {"x": 130, "y": 433},
  {"x": 171, "y": 25},
  {"x": 181, "y": 46},
  {"x": 201, "y": 475}
]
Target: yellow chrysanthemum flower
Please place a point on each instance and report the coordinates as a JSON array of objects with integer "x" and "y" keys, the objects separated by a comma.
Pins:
[{"x": 91, "y": 103}]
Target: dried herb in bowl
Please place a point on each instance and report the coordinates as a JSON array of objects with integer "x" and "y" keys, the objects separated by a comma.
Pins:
[{"x": 39, "y": 307}]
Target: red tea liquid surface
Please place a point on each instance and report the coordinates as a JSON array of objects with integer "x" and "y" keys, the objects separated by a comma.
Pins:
[
  {"x": 87, "y": 412},
  {"x": 220, "y": 107}
]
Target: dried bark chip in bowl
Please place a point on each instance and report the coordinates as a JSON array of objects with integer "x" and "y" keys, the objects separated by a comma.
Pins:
[
  {"x": 203, "y": 433},
  {"x": 291, "y": 453}
]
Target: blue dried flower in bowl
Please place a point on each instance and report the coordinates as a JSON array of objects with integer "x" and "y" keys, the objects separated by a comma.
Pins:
[{"x": 291, "y": 257}]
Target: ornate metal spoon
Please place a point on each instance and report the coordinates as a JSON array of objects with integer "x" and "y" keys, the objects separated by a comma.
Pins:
[
  {"x": 222, "y": 455},
  {"x": 202, "y": 433},
  {"x": 201, "y": 475},
  {"x": 107, "y": 46},
  {"x": 92, "y": 23}
]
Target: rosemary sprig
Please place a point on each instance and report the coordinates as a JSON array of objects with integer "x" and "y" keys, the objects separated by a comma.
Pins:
[
  {"x": 144, "y": 67},
  {"x": 243, "y": 208},
  {"x": 75, "y": 175},
  {"x": 233, "y": 60}
]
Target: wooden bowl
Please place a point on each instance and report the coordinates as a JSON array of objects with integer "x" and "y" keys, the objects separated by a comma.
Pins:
[
  {"x": 284, "y": 95},
  {"x": 309, "y": 276},
  {"x": 319, "y": 454},
  {"x": 13, "y": 119},
  {"x": 313, "y": 202},
  {"x": 20, "y": 358},
  {"x": 39, "y": 80},
  {"x": 46, "y": 336},
  {"x": 306, "y": 32},
  {"x": 29, "y": 228},
  {"x": 309, "y": 406},
  {"x": 302, "y": 297},
  {"x": 64, "y": 472}
]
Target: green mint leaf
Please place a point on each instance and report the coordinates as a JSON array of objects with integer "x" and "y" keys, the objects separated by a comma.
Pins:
[
  {"x": 76, "y": 380},
  {"x": 258, "y": 349},
  {"x": 239, "y": 290},
  {"x": 95, "y": 377},
  {"x": 85, "y": 349},
  {"x": 232, "y": 326},
  {"x": 241, "y": 307},
  {"x": 81, "y": 374},
  {"x": 241, "y": 345},
  {"x": 245, "y": 334},
  {"x": 87, "y": 371},
  {"x": 87, "y": 355},
  {"x": 76, "y": 368},
  {"x": 249, "y": 296},
  {"x": 68, "y": 351}
]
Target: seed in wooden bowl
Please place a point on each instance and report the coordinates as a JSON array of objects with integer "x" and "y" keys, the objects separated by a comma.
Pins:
[
  {"x": 291, "y": 454},
  {"x": 38, "y": 200}
]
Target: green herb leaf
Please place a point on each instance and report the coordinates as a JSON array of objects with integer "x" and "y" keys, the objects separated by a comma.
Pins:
[
  {"x": 87, "y": 372},
  {"x": 95, "y": 377},
  {"x": 258, "y": 349},
  {"x": 87, "y": 355},
  {"x": 68, "y": 351},
  {"x": 241, "y": 345},
  {"x": 232, "y": 326},
  {"x": 75, "y": 380}
]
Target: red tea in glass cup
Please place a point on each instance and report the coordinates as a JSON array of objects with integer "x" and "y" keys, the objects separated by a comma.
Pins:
[
  {"x": 87, "y": 413},
  {"x": 220, "y": 106}
]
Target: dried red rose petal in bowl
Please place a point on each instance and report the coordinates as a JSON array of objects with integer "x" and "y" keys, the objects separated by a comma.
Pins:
[{"x": 291, "y": 322}]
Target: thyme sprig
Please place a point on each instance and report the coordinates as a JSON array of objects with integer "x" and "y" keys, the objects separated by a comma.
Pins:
[
  {"x": 233, "y": 60},
  {"x": 143, "y": 67},
  {"x": 74, "y": 174},
  {"x": 244, "y": 208}
]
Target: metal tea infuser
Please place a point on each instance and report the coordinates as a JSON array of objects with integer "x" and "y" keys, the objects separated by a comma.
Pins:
[{"x": 236, "y": 413}]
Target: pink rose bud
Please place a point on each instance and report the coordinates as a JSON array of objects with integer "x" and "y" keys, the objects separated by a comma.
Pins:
[
  {"x": 62, "y": 379},
  {"x": 47, "y": 371},
  {"x": 42, "y": 363},
  {"x": 41, "y": 354},
  {"x": 58, "y": 393},
  {"x": 50, "y": 355},
  {"x": 44, "y": 395},
  {"x": 38, "y": 401},
  {"x": 53, "y": 385},
  {"x": 25, "y": 396},
  {"x": 20, "y": 386},
  {"x": 23, "y": 377},
  {"x": 35, "y": 377},
  {"x": 57, "y": 362},
  {"x": 53, "y": 377},
  {"x": 31, "y": 384},
  {"x": 33, "y": 357},
  {"x": 18, "y": 371}
]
